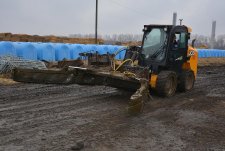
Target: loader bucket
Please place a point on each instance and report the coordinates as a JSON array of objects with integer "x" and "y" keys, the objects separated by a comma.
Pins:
[{"x": 139, "y": 98}]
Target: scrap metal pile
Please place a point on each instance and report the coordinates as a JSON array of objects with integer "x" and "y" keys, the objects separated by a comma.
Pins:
[{"x": 8, "y": 63}]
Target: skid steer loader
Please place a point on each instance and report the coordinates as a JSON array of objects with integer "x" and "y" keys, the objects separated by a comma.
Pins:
[{"x": 165, "y": 63}]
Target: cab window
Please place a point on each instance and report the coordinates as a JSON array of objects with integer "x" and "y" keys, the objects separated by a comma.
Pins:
[
  {"x": 183, "y": 40},
  {"x": 180, "y": 40}
]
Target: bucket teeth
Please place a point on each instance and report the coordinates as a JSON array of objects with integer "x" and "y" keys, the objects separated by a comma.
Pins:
[
  {"x": 135, "y": 105},
  {"x": 139, "y": 98}
]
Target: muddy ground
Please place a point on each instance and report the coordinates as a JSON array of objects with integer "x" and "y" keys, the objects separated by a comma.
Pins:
[{"x": 55, "y": 117}]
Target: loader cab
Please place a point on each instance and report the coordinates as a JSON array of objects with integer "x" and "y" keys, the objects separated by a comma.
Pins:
[{"x": 164, "y": 47}]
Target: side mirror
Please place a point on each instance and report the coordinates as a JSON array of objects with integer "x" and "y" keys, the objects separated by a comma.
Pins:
[{"x": 193, "y": 43}]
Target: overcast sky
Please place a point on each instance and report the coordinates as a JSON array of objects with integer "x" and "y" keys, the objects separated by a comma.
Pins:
[{"x": 64, "y": 17}]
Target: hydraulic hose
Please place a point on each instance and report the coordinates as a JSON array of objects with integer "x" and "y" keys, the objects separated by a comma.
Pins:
[
  {"x": 115, "y": 54},
  {"x": 124, "y": 63},
  {"x": 119, "y": 50}
]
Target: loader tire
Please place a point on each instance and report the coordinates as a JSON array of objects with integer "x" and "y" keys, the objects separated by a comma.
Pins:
[
  {"x": 186, "y": 81},
  {"x": 166, "y": 84}
]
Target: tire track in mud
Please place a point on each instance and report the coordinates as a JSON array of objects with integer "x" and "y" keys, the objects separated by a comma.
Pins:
[
  {"x": 20, "y": 89},
  {"x": 40, "y": 92},
  {"x": 65, "y": 120},
  {"x": 59, "y": 105},
  {"x": 59, "y": 99},
  {"x": 52, "y": 93},
  {"x": 67, "y": 107},
  {"x": 54, "y": 117},
  {"x": 29, "y": 118}
]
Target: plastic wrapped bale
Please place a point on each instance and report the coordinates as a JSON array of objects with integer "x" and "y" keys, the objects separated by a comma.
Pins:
[
  {"x": 104, "y": 49},
  {"x": 90, "y": 48},
  {"x": 7, "y": 49},
  {"x": 25, "y": 50},
  {"x": 61, "y": 52},
  {"x": 75, "y": 49},
  {"x": 45, "y": 51}
]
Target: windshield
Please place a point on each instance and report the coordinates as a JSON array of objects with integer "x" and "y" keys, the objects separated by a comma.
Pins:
[{"x": 154, "y": 44}]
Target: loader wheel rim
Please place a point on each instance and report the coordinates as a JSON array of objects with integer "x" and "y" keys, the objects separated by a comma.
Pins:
[{"x": 170, "y": 85}]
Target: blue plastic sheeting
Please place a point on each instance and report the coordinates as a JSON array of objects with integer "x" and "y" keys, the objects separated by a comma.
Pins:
[
  {"x": 45, "y": 51},
  {"x": 121, "y": 55},
  {"x": 55, "y": 51},
  {"x": 75, "y": 49},
  {"x": 25, "y": 50},
  {"x": 211, "y": 53},
  {"x": 7, "y": 48},
  {"x": 61, "y": 51},
  {"x": 91, "y": 48},
  {"x": 103, "y": 49}
]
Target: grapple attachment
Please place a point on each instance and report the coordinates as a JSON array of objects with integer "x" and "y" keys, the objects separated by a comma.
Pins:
[{"x": 139, "y": 98}]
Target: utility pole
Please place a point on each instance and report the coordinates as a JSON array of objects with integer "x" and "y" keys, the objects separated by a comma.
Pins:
[{"x": 96, "y": 23}]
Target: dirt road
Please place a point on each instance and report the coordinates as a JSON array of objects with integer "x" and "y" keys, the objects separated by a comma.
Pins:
[{"x": 55, "y": 117}]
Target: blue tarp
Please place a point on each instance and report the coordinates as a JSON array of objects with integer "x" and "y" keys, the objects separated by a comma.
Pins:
[
  {"x": 7, "y": 48},
  {"x": 45, "y": 51},
  {"x": 211, "y": 53},
  {"x": 90, "y": 48},
  {"x": 25, "y": 50},
  {"x": 75, "y": 49},
  {"x": 60, "y": 51},
  {"x": 121, "y": 55}
]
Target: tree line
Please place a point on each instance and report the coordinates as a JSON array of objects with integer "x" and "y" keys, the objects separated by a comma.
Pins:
[
  {"x": 201, "y": 40},
  {"x": 112, "y": 38},
  {"x": 205, "y": 41}
]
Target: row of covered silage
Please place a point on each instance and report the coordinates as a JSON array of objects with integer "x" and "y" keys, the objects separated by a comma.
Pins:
[
  {"x": 60, "y": 51},
  {"x": 52, "y": 51}
]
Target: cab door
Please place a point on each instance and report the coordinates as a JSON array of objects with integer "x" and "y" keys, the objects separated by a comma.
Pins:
[{"x": 178, "y": 47}]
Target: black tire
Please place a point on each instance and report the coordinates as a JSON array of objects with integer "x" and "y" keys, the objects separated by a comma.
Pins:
[
  {"x": 166, "y": 84},
  {"x": 186, "y": 81}
]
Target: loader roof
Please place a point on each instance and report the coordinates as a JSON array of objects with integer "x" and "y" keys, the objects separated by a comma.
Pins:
[{"x": 146, "y": 27}]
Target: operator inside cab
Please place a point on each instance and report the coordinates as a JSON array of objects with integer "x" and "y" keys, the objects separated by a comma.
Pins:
[{"x": 175, "y": 42}]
